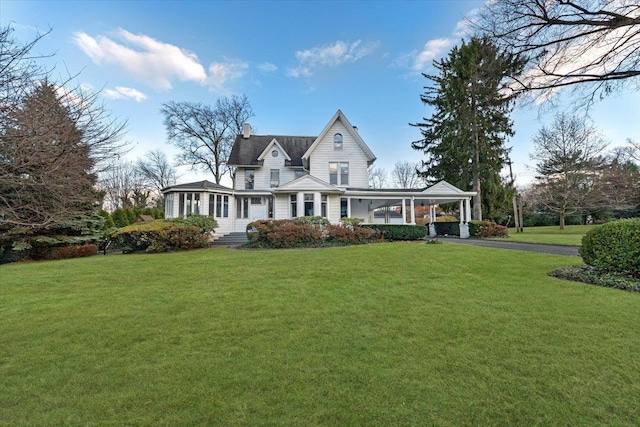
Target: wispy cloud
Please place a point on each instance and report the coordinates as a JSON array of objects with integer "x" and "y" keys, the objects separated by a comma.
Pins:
[
  {"x": 267, "y": 67},
  {"x": 333, "y": 55},
  {"x": 121, "y": 92},
  {"x": 154, "y": 62},
  {"x": 221, "y": 73},
  {"x": 419, "y": 61}
]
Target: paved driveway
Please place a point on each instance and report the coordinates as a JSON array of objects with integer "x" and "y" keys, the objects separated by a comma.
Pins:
[{"x": 519, "y": 246}]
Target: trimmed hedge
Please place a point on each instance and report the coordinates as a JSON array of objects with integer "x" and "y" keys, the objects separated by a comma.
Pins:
[
  {"x": 305, "y": 233},
  {"x": 446, "y": 228},
  {"x": 400, "y": 231},
  {"x": 159, "y": 236},
  {"x": 614, "y": 247},
  {"x": 487, "y": 229}
]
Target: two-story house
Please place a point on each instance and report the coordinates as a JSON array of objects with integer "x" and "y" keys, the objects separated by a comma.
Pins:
[{"x": 282, "y": 176}]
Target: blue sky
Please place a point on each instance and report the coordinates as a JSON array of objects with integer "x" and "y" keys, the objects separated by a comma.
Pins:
[{"x": 297, "y": 62}]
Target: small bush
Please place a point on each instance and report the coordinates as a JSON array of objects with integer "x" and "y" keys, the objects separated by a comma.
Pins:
[
  {"x": 303, "y": 233},
  {"x": 614, "y": 247},
  {"x": 400, "y": 232},
  {"x": 446, "y": 218},
  {"x": 351, "y": 222},
  {"x": 314, "y": 220},
  {"x": 205, "y": 224},
  {"x": 590, "y": 275},
  {"x": 73, "y": 251},
  {"x": 487, "y": 229},
  {"x": 159, "y": 236},
  {"x": 447, "y": 228}
]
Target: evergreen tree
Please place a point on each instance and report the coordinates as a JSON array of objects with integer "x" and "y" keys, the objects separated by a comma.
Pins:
[
  {"x": 464, "y": 139},
  {"x": 46, "y": 168}
]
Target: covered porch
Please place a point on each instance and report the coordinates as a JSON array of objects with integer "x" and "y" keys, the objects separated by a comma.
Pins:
[{"x": 363, "y": 203}]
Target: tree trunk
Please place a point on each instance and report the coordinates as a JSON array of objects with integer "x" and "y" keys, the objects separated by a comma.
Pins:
[
  {"x": 561, "y": 220},
  {"x": 477, "y": 201}
]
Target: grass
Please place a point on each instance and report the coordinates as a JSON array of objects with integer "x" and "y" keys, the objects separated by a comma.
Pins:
[
  {"x": 571, "y": 235},
  {"x": 383, "y": 334}
]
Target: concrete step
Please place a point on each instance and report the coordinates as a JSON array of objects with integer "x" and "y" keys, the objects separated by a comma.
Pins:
[{"x": 237, "y": 238}]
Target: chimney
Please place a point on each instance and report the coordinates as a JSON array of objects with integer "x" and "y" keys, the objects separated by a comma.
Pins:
[
  {"x": 246, "y": 130},
  {"x": 355, "y": 128}
]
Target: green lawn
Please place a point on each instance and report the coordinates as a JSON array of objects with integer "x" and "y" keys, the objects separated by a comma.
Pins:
[
  {"x": 571, "y": 235},
  {"x": 385, "y": 334}
]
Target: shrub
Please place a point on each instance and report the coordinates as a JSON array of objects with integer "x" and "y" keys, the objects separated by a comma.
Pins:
[
  {"x": 614, "y": 247},
  {"x": 72, "y": 251},
  {"x": 351, "y": 222},
  {"x": 300, "y": 233},
  {"x": 205, "y": 224},
  {"x": 159, "y": 236},
  {"x": 592, "y": 276},
  {"x": 400, "y": 232},
  {"x": 314, "y": 220},
  {"x": 446, "y": 218},
  {"x": 487, "y": 229},
  {"x": 449, "y": 228}
]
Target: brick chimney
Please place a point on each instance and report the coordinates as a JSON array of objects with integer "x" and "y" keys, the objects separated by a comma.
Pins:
[{"x": 246, "y": 130}]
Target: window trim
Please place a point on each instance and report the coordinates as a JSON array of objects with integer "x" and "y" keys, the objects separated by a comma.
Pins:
[
  {"x": 249, "y": 179},
  {"x": 338, "y": 141}
]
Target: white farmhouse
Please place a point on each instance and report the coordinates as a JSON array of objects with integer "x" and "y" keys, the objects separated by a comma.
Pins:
[{"x": 282, "y": 176}]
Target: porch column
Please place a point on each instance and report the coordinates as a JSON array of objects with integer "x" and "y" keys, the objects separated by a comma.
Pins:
[
  {"x": 317, "y": 202},
  {"x": 404, "y": 213},
  {"x": 432, "y": 217},
  {"x": 300, "y": 204},
  {"x": 464, "y": 226},
  {"x": 468, "y": 209},
  {"x": 413, "y": 211},
  {"x": 348, "y": 207}
]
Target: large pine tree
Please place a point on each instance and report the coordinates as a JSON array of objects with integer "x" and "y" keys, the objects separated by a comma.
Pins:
[
  {"x": 46, "y": 170},
  {"x": 464, "y": 139}
]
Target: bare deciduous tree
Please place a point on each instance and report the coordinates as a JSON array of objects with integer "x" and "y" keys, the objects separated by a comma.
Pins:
[
  {"x": 377, "y": 177},
  {"x": 569, "y": 161},
  {"x": 567, "y": 42},
  {"x": 204, "y": 134},
  {"x": 405, "y": 175}
]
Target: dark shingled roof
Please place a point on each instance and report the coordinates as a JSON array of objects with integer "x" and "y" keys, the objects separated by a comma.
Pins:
[
  {"x": 245, "y": 151},
  {"x": 199, "y": 185}
]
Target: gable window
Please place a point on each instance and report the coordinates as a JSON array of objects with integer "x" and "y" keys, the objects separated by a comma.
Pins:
[
  {"x": 308, "y": 204},
  {"x": 293, "y": 202},
  {"x": 337, "y": 141},
  {"x": 339, "y": 173},
  {"x": 274, "y": 153},
  {"x": 275, "y": 178},
  {"x": 249, "y": 178}
]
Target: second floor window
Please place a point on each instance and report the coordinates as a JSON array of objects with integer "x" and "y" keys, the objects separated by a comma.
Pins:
[
  {"x": 275, "y": 178},
  {"x": 339, "y": 173},
  {"x": 249, "y": 178}
]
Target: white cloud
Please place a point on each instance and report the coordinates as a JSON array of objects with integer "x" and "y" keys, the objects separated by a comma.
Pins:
[
  {"x": 330, "y": 56},
  {"x": 121, "y": 92},
  {"x": 267, "y": 67},
  {"x": 154, "y": 62},
  {"x": 220, "y": 73},
  {"x": 433, "y": 49}
]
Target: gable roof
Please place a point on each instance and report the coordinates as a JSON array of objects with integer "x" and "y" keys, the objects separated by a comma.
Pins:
[
  {"x": 272, "y": 144},
  {"x": 350, "y": 129},
  {"x": 246, "y": 151},
  {"x": 443, "y": 187},
  {"x": 308, "y": 183}
]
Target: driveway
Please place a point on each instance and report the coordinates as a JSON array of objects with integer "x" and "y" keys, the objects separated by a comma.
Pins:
[{"x": 519, "y": 246}]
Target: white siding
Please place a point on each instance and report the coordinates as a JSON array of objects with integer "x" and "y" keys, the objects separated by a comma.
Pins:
[
  {"x": 282, "y": 207},
  {"x": 351, "y": 153}
]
